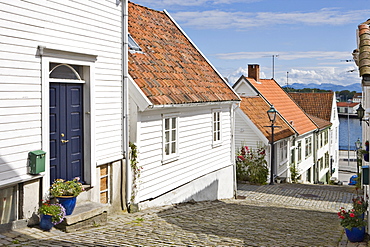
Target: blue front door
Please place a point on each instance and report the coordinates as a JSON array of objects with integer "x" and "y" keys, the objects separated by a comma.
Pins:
[{"x": 66, "y": 131}]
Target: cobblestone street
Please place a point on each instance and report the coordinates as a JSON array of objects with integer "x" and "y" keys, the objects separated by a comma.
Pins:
[{"x": 278, "y": 215}]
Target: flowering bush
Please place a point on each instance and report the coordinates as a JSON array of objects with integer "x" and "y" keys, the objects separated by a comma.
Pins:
[
  {"x": 61, "y": 187},
  {"x": 56, "y": 210},
  {"x": 251, "y": 165},
  {"x": 359, "y": 204},
  {"x": 351, "y": 218}
]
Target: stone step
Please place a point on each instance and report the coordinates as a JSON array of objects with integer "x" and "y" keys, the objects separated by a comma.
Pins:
[{"x": 85, "y": 215}]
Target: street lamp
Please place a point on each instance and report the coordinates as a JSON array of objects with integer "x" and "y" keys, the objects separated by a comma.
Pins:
[
  {"x": 272, "y": 116},
  {"x": 361, "y": 113},
  {"x": 358, "y": 146}
]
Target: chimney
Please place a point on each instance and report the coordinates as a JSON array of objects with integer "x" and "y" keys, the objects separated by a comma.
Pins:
[{"x": 254, "y": 71}]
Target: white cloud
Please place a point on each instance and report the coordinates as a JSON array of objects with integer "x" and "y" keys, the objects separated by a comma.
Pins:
[
  {"x": 217, "y": 19},
  {"x": 333, "y": 75},
  {"x": 318, "y": 75},
  {"x": 320, "y": 55}
]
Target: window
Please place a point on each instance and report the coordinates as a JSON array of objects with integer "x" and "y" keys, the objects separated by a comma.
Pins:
[
  {"x": 299, "y": 146},
  {"x": 132, "y": 45},
  {"x": 308, "y": 142},
  {"x": 321, "y": 162},
  {"x": 104, "y": 184},
  {"x": 8, "y": 205},
  {"x": 170, "y": 137},
  {"x": 283, "y": 148},
  {"x": 326, "y": 137},
  {"x": 326, "y": 160},
  {"x": 216, "y": 127}
]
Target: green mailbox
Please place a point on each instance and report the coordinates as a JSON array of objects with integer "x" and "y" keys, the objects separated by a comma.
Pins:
[
  {"x": 365, "y": 175},
  {"x": 36, "y": 161}
]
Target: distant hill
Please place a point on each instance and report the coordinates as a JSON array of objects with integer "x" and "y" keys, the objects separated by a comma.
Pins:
[{"x": 327, "y": 86}]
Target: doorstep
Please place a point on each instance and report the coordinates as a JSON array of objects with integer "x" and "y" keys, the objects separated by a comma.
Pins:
[{"x": 85, "y": 215}]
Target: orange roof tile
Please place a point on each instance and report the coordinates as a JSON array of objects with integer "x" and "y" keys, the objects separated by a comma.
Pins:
[
  {"x": 284, "y": 104},
  {"x": 316, "y": 104},
  {"x": 320, "y": 123},
  {"x": 256, "y": 109},
  {"x": 346, "y": 104},
  {"x": 170, "y": 70}
]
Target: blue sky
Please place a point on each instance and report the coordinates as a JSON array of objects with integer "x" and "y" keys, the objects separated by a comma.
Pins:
[{"x": 311, "y": 38}]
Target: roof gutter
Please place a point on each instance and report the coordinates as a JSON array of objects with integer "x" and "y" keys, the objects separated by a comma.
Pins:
[{"x": 216, "y": 103}]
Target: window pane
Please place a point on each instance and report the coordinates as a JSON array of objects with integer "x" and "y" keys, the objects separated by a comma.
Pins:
[
  {"x": 173, "y": 147},
  {"x": 167, "y": 149},
  {"x": 65, "y": 72},
  {"x": 173, "y": 135},
  {"x": 166, "y": 124},
  {"x": 173, "y": 123},
  {"x": 167, "y": 136}
]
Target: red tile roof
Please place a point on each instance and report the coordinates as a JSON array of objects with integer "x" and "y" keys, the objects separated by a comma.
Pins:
[
  {"x": 256, "y": 109},
  {"x": 346, "y": 104},
  {"x": 320, "y": 123},
  {"x": 170, "y": 70},
  {"x": 316, "y": 104},
  {"x": 284, "y": 104}
]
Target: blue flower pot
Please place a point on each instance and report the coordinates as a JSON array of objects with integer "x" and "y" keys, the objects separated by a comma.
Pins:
[
  {"x": 45, "y": 222},
  {"x": 356, "y": 234},
  {"x": 68, "y": 202}
]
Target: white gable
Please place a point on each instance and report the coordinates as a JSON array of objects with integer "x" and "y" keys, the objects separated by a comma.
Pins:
[{"x": 243, "y": 88}]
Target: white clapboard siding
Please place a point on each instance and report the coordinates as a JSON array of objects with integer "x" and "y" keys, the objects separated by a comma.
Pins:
[
  {"x": 244, "y": 134},
  {"x": 90, "y": 27},
  {"x": 197, "y": 157}
]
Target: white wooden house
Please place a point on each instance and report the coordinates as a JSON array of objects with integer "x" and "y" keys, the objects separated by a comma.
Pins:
[
  {"x": 251, "y": 129},
  {"x": 182, "y": 115},
  {"x": 300, "y": 151},
  {"x": 61, "y": 91},
  {"x": 322, "y": 109}
]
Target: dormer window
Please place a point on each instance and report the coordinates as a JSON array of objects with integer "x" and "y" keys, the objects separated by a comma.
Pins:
[{"x": 132, "y": 45}]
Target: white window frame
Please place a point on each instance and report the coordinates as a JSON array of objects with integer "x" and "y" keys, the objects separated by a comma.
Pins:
[
  {"x": 299, "y": 151},
  {"x": 283, "y": 152},
  {"x": 308, "y": 146},
  {"x": 216, "y": 127},
  {"x": 173, "y": 154}
]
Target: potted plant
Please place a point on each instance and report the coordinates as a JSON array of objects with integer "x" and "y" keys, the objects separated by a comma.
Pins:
[
  {"x": 50, "y": 215},
  {"x": 360, "y": 204},
  {"x": 66, "y": 192},
  {"x": 353, "y": 223}
]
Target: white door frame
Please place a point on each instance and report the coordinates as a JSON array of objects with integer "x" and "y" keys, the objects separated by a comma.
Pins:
[{"x": 88, "y": 62}]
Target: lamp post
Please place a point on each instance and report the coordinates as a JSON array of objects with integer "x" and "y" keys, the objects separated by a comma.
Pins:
[
  {"x": 272, "y": 116},
  {"x": 361, "y": 113},
  {"x": 358, "y": 146}
]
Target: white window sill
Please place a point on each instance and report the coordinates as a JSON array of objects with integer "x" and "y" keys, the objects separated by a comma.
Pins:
[
  {"x": 169, "y": 160},
  {"x": 216, "y": 144}
]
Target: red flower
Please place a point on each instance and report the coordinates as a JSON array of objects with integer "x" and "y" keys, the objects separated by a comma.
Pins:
[
  {"x": 241, "y": 157},
  {"x": 342, "y": 217},
  {"x": 352, "y": 215}
]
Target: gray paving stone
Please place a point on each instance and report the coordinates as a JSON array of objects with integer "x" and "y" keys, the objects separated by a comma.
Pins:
[{"x": 277, "y": 215}]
